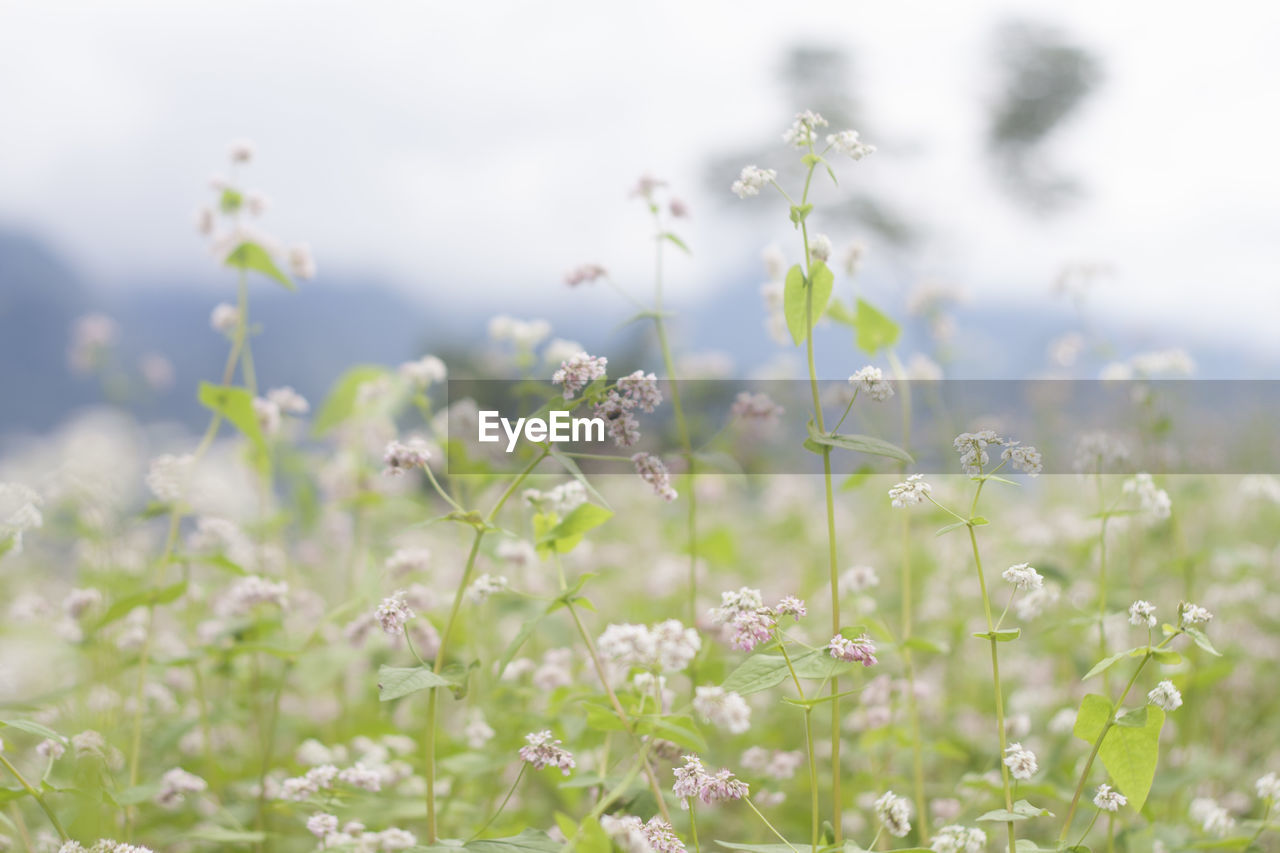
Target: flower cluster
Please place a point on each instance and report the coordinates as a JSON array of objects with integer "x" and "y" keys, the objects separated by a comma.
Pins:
[
  {"x": 1021, "y": 762},
  {"x": 755, "y": 407},
  {"x": 542, "y": 750},
  {"x": 748, "y": 621},
  {"x": 1142, "y": 613},
  {"x": 752, "y": 180},
  {"x": 632, "y": 835},
  {"x": 870, "y": 380},
  {"x": 913, "y": 490},
  {"x": 1165, "y": 696},
  {"x": 693, "y": 781},
  {"x": 858, "y": 650},
  {"x": 723, "y": 709},
  {"x": 954, "y": 838},
  {"x": 584, "y": 274},
  {"x": 1107, "y": 799},
  {"x": 652, "y": 470},
  {"x": 1152, "y": 501},
  {"x": 578, "y": 371},
  {"x": 665, "y": 647},
  {"x": 393, "y": 613},
  {"x": 1023, "y": 577},
  {"x": 894, "y": 813},
  {"x": 400, "y": 457}
]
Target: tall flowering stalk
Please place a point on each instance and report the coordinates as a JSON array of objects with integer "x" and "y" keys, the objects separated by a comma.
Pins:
[
  {"x": 807, "y": 290},
  {"x": 974, "y": 457},
  {"x": 235, "y": 244}
]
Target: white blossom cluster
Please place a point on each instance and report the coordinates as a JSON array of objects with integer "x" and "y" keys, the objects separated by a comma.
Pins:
[
  {"x": 894, "y": 813},
  {"x": 664, "y": 647}
]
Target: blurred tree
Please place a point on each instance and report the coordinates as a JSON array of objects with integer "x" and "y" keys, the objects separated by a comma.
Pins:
[{"x": 1044, "y": 80}]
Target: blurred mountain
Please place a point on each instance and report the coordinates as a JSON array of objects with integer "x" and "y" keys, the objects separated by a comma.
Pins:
[{"x": 308, "y": 338}]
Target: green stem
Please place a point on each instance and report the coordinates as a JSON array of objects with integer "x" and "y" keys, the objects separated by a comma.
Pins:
[
  {"x": 995, "y": 673},
  {"x": 1097, "y": 743},
  {"x": 772, "y": 829},
  {"x": 505, "y": 800},
  {"x": 37, "y": 796},
  {"x": 693, "y": 826}
]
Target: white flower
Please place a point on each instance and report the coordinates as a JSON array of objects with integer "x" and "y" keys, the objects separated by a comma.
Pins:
[
  {"x": 820, "y": 247},
  {"x": 871, "y": 381},
  {"x": 584, "y": 274},
  {"x": 665, "y": 647},
  {"x": 847, "y": 142},
  {"x": 895, "y": 813},
  {"x": 405, "y": 456},
  {"x": 1151, "y": 500},
  {"x": 1268, "y": 787},
  {"x": 1193, "y": 614},
  {"x": 169, "y": 476},
  {"x": 1021, "y": 762},
  {"x": 424, "y": 372},
  {"x": 972, "y": 447},
  {"x": 48, "y": 748},
  {"x": 359, "y": 776},
  {"x": 959, "y": 839},
  {"x": 19, "y": 512},
  {"x": 1214, "y": 819},
  {"x": 241, "y": 151},
  {"x": 301, "y": 262},
  {"x": 176, "y": 784},
  {"x": 1108, "y": 800},
  {"x": 408, "y": 561},
  {"x": 1023, "y": 577},
  {"x": 652, "y": 470},
  {"x": 543, "y": 750},
  {"x": 224, "y": 318},
  {"x": 249, "y": 592},
  {"x": 913, "y": 491},
  {"x": 1025, "y": 458},
  {"x": 289, "y": 401},
  {"x": 485, "y": 586},
  {"x": 858, "y": 579},
  {"x": 477, "y": 732},
  {"x": 578, "y": 372},
  {"x": 802, "y": 134},
  {"x": 1165, "y": 696},
  {"x": 726, "y": 710},
  {"x": 322, "y": 825},
  {"x": 393, "y": 613},
  {"x": 751, "y": 180},
  {"x": 1141, "y": 613}
]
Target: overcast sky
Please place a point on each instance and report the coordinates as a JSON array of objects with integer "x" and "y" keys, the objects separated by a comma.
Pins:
[{"x": 490, "y": 146}]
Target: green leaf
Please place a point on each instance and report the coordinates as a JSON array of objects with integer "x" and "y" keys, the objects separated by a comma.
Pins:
[
  {"x": 397, "y": 681},
  {"x": 860, "y": 444},
  {"x": 841, "y": 313},
  {"x": 956, "y": 525},
  {"x": 1130, "y": 754},
  {"x": 1022, "y": 810},
  {"x": 571, "y": 466},
  {"x": 793, "y": 304},
  {"x": 761, "y": 848},
  {"x": 33, "y": 728},
  {"x": 253, "y": 258},
  {"x": 1202, "y": 640},
  {"x": 920, "y": 644},
  {"x": 1135, "y": 719},
  {"x": 220, "y": 835},
  {"x": 566, "y": 535},
  {"x": 122, "y": 607},
  {"x": 677, "y": 241},
  {"x": 1105, "y": 664},
  {"x": 873, "y": 330},
  {"x": 1166, "y": 657},
  {"x": 236, "y": 405},
  {"x": 799, "y": 213},
  {"x": 756, "y": 673},
  {"x": 1093, "y": 715},
  {"x": 341, "y": 402},
  {"x": 796, "y": 298},
  {"x": 530, "y": 839},
  {"x": 1006, "y": 635}
]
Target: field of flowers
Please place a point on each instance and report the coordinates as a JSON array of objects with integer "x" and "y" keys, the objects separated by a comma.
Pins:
[{"x": 344, "y": 624}]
